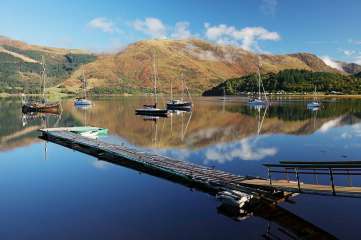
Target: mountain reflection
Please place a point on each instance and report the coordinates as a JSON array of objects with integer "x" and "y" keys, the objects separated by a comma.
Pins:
[{"x": 225, "y": 130}]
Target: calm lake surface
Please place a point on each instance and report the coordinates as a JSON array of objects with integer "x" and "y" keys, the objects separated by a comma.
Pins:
[{"x": 51, "y": 192}]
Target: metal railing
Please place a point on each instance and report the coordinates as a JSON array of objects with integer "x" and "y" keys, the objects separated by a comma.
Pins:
[{"x": 332, "y": 169}]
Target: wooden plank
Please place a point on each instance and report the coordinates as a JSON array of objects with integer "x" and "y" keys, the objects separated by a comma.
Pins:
[{"x": 304, "y": 187}]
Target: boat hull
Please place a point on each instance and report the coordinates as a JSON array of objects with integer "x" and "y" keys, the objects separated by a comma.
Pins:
[
  {"x": 41, "y": 107},
  {"x": 179, "y": 106},
  {"x": 82, "y": 102},
  {"x": 152, "y": 112}
]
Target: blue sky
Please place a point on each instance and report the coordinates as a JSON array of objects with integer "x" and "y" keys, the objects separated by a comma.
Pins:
[{"x": 324, "y": 27}]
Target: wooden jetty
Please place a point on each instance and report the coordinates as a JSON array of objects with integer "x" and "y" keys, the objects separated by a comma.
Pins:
[
  {"x": 211, "y": 180},
  {"x": 203, "y": 178}
]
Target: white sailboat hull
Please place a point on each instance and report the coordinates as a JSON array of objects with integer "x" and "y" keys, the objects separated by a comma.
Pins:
[{"x": 82, "y": 102}]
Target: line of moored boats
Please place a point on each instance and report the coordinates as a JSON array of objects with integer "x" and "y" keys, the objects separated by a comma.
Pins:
[{"x": 153, "y": 109}]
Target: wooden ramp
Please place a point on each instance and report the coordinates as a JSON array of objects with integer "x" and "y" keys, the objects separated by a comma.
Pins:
[
  {"x": 203, "y": 178},
  {"x": 292, "y": 186}
]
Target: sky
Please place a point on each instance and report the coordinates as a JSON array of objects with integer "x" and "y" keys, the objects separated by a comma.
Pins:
[{"x": 327, "y": 28}]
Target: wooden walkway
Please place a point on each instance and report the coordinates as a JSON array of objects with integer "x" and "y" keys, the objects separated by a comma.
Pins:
[
  {"x": 292, "y": 186},
  {"x": 203, "y": 178},
  {"x": 196, "y": 176}
]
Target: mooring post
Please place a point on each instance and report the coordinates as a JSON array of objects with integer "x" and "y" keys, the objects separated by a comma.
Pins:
[
  {"x": 332, "y": 183},
  {"x": 269, "y": 175},
  {"x": 298, "y": 180},
  {"x": 288, "y": 180},
  {"x": 349, "y": 178}
]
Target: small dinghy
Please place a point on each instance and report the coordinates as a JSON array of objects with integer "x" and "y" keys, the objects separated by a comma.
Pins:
[
  {"x": 234, "y": 198},
  {"x": 89, "y": 131}
]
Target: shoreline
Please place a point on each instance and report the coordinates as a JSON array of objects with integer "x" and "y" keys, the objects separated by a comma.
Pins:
[{"x": 293, "y": 95}]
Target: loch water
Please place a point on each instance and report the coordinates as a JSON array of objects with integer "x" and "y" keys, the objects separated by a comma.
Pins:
[{"x": 52, "y": 192}]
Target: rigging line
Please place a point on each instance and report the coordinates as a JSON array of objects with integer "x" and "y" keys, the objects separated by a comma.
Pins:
[
  {"x": 189, "y": 120},
  {"x": 263, "y": 118}
]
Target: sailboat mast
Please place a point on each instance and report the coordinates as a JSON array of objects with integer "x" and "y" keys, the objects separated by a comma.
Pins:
[
  {"x": 314, "y": 94},
  {"x": 259, "y": 84},
  {"x": 84, "y": 85},
  {"x": 171, "y": 90},
  {"x": 182, "y": 86},
  {"x": 155, "y": 79},
  {"x": 43, "y": 76}
]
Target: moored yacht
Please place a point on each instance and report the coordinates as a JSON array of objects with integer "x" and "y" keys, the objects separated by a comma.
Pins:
[
  {"x": 83, "y": 101},
  {"x": 179, "y": 104},
  {"x": 153, "y": 110},
  {"x": 259, "y": 102}
]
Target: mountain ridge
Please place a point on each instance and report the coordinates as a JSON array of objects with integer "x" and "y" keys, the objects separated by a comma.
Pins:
[{"x": 203, "y": 64}]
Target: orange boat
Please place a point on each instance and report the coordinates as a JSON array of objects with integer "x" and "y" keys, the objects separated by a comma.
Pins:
[{"x": 43, "y": 105}]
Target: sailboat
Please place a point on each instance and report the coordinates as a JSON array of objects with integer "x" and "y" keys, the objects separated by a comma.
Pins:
[
  {"x": 83, "y": 101},
  {"x": 314, "y": 105},
  {"x": 152, "y": 110},
  {"x": 43, "y": 105},
  {"x": 179, "y": 104},
  {"x": 258, "y": 102}
]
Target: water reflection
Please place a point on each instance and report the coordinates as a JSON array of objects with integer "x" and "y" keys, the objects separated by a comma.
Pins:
[
  {"x": 212, "y": 124},
  {"x": 227, "y": 135}
]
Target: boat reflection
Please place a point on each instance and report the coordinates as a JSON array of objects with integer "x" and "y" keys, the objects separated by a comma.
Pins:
[{"x": 211, "y": 123}]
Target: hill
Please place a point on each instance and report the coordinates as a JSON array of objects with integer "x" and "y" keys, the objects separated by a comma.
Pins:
[
  {"x": 351, "y": 68},
  {"x": 203, "y": 64},
  {"x": 290, "y": 81},
  {"x": 20, "y": 65}
]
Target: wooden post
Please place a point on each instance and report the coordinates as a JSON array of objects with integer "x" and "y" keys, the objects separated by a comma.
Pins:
[
  {"x": 269, "y": 176},
  {"x": 332, "y": 183},
  {"x": 287, "y": 175},
  {"x": 298, "y": 180},
  {"x": 349, "y": 178}
]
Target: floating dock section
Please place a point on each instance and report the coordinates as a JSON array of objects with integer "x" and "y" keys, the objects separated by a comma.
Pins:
[{"x": 203, "y": 178}]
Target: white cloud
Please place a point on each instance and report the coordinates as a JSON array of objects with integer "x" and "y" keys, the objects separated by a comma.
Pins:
[
  {"x": 100, "y": 164},
  {"x": 102, "y": 24},
  {"x": 328, "y": 61},
  {"x": 181, "y": 31},
  {"x": 152, "y": 27},
  {"x": 245, "y": 149},
  {"x": 348, "y": 53},
  {"x": 269, "y": 6},
  {"x": 247, "y": 38}
]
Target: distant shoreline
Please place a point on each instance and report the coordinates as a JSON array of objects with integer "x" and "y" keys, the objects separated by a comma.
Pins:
[{"x": 289, "y": 95}]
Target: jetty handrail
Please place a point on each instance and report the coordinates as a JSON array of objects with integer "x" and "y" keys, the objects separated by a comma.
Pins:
[
  {"x": 313, "y": 166},
  {"x": 320, "y": 162},
  {"x": 348, "y": 168}
]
